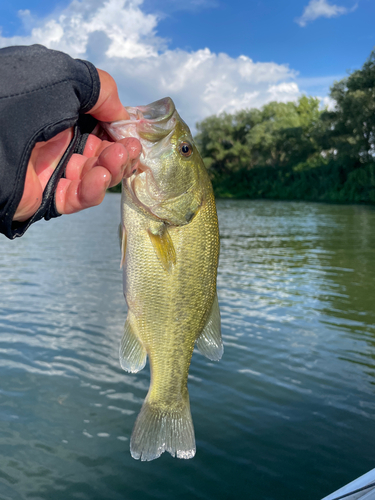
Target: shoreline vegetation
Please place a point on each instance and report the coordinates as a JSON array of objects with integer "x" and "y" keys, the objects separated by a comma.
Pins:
[{"x": 296, "y": 150}]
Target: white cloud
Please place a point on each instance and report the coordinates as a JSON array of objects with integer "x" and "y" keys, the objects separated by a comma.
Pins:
[
  {"x": 119, "y": 37},
  {"x": 321, "y": 8},
  {"x": 130, "y": 32},
  {"x": 329, "y": 103},
  {"x": 283, "y": 92},
  {"x": 201, "y": 83}
]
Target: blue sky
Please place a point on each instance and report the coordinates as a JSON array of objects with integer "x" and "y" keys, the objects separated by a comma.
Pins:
[{"x": 209, "y": 55}]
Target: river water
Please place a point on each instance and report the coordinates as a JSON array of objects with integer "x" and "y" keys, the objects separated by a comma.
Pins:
[{"x": 288, "y": 413}]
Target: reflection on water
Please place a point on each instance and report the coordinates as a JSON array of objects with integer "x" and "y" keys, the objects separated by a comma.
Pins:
[{"x": 288, "y": 413}]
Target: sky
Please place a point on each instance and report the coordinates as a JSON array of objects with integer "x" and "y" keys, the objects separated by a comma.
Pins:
[{"x": 210, "y": 56}]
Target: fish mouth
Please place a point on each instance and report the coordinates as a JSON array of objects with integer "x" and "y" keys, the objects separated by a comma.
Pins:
[
  {"x": 159, "y": 111},
  {"x": 152, "y": 122}
]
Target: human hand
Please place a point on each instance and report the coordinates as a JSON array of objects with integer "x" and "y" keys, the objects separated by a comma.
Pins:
[{"x": 87, "y": 176}]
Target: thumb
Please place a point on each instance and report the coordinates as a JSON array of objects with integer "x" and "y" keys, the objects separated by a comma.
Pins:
[{"x": 108, "y": 107}]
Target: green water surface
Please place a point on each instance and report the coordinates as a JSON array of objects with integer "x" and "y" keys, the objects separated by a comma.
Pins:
[{"x": 288, "y": 413}]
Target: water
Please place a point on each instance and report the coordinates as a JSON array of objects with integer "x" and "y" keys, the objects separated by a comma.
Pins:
[{"x": 288, "y": 413}]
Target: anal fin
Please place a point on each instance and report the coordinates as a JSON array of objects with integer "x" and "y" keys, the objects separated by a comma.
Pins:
[
  {"x": 209, "y": 342},
  {"x": 133, "y": 355}
]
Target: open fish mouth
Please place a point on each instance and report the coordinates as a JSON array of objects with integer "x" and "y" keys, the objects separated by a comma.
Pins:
[
  {"x": 158, "y": 111},
  {"x": 156, "y": 120},
  {"x": 152, "y": 122}
]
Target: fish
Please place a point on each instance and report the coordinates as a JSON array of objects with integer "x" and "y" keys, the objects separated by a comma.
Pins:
[{"x": 170, "y": 251}]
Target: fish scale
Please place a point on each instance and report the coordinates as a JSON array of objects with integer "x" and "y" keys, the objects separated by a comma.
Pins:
[
  {"x": 172, "y": 302},
  {"x": 170, "y": 259}
]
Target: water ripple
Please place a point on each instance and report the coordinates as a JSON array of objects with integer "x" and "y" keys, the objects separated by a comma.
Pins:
[{"x": 289, "y": 411}]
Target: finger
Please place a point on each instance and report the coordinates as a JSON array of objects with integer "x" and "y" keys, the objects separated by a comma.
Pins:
[
  {"x": 114, "y": 158},
  {"x": 133, "y": 147},
  {"x": 94, "y": 146},
  {"x": 93, "y": 187},
  {"x": 76, "y": 195},
  {"x": 108, "y": 107},
  {"x": 74, "y": 168}
]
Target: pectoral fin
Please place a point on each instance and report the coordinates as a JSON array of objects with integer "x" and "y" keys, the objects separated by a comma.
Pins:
[
  {"x": 209, "y": 342},
  {"x": 163, "y": 245},
  {"x": 132, "y": 353},
  {"x": 122, "y": 238}
]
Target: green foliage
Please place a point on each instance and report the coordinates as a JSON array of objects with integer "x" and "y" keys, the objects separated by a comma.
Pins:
[
  {"x": 295, "y": 150},
  {"x": 277, "y": 135},
  {"x": 352, "y": 124},
  {"x": 333, "y": 182}
]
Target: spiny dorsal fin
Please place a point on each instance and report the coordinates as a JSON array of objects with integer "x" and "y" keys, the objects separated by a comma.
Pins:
[
  {"x": 132, "y": 353},
  {"x": 163, "y": 245},
  {"x": 209, "y": 342}
]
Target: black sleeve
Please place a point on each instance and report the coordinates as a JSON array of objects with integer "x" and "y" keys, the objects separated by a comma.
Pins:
[{"x": 42, "y": 92}]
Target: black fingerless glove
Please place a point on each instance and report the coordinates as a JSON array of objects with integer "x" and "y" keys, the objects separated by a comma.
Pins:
[{"x": 42, "y": 93}]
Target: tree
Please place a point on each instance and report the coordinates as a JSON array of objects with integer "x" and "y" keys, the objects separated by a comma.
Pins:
[
  {"x": 277, "y": 135},
  {"x": 352, "y": 123},
  {"x": 295, "y": 150}
]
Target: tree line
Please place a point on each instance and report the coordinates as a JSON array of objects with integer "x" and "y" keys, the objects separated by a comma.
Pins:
[{"x": 296, "y": 150}]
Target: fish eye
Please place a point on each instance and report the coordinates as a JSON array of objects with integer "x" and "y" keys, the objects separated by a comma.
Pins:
[{"x": 186, "y": 149}]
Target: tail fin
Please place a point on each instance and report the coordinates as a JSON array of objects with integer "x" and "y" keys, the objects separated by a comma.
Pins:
[{"x": 157, "y": 430}]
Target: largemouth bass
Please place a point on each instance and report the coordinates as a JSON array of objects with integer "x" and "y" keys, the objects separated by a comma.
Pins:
[{"x": 170, "y": 251}]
